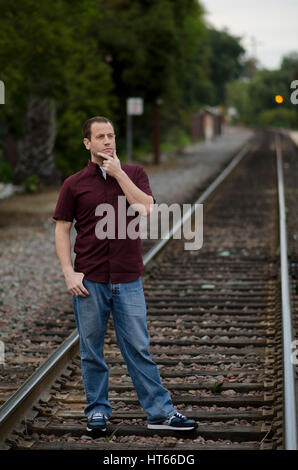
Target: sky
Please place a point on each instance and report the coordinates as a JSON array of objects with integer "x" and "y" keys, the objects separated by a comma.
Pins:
[{"x": 269, "y": 28}]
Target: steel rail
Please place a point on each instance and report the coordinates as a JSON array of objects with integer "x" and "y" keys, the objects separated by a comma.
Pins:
[
  {"x": 15, "y": 408},
  {"x": 211, "y": 188},
  {"x": 290, "y": 425}
]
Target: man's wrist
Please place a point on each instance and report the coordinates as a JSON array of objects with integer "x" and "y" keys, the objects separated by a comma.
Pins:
[
  {"x": 120, "y": 174},
  {"x": 68, "y": 270}
]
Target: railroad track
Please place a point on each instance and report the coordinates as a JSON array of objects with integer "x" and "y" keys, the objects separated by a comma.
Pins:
[{"x": 215, "y": 323}]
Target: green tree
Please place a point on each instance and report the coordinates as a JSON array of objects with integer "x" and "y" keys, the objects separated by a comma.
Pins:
[
  {"x": 254, "y": 99},
  {"x": 155, "y": 52},
  {"x": 289, "y": 64},
  {"x": 51, "y": 67},
  {"x": 238, "y": 97},
  {"x": 72, "y": 60},
  {"x": 225, "y": 53}
]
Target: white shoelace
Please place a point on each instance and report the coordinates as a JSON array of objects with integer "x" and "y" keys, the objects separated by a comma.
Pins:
[{"x": 177, "y": 415}]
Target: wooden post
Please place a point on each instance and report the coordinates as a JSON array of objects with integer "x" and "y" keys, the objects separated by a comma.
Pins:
[{"x": 156, "y": 131}]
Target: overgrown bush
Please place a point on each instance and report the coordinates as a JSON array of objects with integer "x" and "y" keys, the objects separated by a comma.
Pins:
[{"x": 5, "y": 170}]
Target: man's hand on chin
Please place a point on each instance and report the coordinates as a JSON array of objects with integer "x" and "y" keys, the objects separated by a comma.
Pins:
[{"x": 111, "y": 164}]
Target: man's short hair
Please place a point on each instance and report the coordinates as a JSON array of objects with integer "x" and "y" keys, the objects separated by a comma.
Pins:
[{"x": 86, "y": 130}]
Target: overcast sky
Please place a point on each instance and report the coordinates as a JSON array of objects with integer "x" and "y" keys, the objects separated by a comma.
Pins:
[{"x": 273, "y": 25}]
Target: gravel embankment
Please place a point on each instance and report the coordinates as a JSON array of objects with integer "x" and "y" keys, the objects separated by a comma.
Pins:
[{"x": 197, "y": 163}]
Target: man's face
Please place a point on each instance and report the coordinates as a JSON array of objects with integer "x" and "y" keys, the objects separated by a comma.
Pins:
[{"x": 102, "y": 139}]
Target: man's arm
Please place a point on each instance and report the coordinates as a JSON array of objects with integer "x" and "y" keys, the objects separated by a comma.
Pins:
[
  {"x": 63, "y": 248},
  {"x": 139, "y": 200}
]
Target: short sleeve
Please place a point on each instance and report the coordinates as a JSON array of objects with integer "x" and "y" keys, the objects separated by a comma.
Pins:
[
  {"x": 143, "y": 182},
  {"x": 65, "y": 208}
]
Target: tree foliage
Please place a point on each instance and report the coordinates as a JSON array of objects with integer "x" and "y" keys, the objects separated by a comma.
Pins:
[
  {"x": 225, "y": 54},
  {"x": 46, "y": 50},
  {"x": 255, "y": 101},
  {"x": 86, "y": 57}
]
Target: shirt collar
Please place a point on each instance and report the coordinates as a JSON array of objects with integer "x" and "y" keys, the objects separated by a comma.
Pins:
[{"x": 93, "y": 167}]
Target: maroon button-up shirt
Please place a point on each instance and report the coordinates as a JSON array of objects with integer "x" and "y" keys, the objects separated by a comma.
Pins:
[{"x": 101, "y": 260}]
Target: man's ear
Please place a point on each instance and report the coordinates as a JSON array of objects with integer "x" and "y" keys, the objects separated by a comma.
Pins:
[{"x": 87, "y": 143}]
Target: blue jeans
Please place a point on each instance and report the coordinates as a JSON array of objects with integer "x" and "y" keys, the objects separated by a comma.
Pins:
[{"x": 127, "y": 302}]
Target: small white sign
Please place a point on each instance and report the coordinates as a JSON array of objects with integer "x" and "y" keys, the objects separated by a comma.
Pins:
[{"x": 135, "y": 106}]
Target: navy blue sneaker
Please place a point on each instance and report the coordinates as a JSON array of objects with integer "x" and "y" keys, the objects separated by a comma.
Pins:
[
  {"x": 96, "y": 422},
  {"x": 177, "y": 422}
]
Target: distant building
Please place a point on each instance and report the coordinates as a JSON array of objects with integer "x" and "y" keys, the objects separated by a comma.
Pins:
[{"x": 207, "y": 123}]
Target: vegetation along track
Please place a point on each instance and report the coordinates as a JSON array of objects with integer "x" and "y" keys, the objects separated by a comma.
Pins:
[{"x": 214, "y": 318}]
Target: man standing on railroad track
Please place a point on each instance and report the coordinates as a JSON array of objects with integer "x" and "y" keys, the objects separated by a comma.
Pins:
[{"x": 107, "y": 277}]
